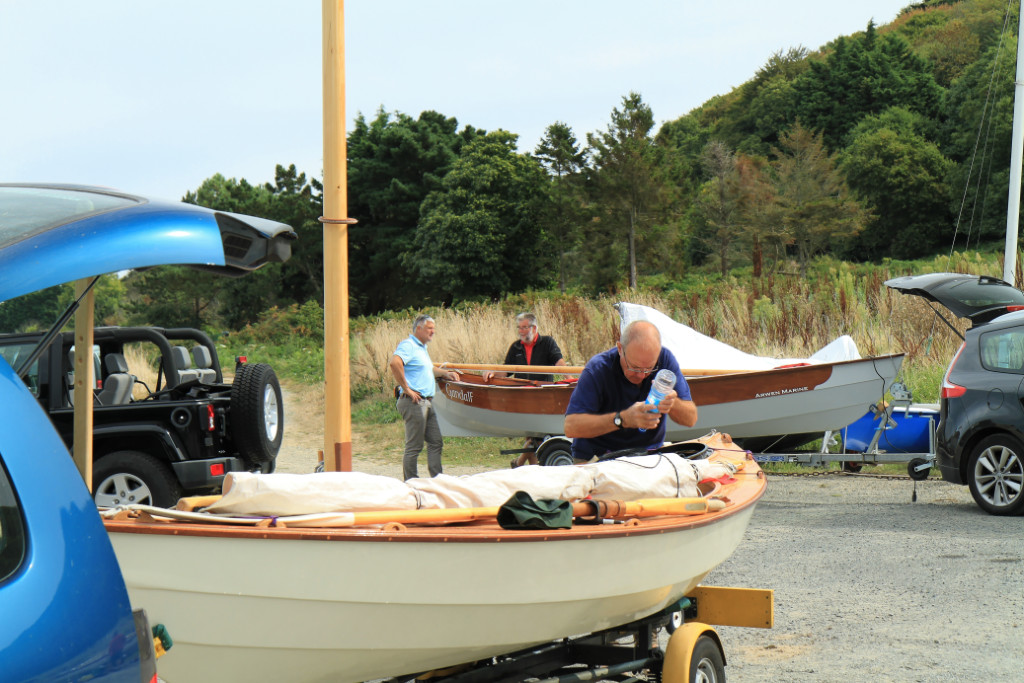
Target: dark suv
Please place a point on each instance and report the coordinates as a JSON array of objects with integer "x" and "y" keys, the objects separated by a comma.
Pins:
[
  {"x": 153, "y": 444},
  {"x": 980, "y": 435}
]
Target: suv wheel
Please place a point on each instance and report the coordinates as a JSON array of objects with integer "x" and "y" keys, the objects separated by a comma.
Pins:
[
  {"x": 257, "y": 412},
  {"x": 995, "y": 474},
  {"x": 133, "y": 478}
]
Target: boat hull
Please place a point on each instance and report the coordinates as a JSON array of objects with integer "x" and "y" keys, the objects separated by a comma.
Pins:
[
  {"x": 796, "y": 400},
  {"x": 356, "y": 610},
  {"x": 352, "y": 604}
]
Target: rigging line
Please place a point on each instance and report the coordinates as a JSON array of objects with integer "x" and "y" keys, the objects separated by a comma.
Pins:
[{"x": 981, "y": 126}]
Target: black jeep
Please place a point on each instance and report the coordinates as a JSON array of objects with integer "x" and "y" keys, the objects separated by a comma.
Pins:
[{"x": 151, "y": 445}]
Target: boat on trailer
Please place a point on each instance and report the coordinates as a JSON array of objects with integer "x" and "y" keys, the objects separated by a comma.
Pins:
[
  {"x": 267, "y": 598},
  {"x": 766, "y": 404},
  {"x": 762, "y": 410}
]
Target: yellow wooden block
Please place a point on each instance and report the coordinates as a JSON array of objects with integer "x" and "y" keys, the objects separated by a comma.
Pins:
[{"x": 750, "y": 607}]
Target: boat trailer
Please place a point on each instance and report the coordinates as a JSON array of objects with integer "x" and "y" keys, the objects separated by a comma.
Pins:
[
  {"x": 694, "y": 650},
  {"x": 904, "y": 428}
]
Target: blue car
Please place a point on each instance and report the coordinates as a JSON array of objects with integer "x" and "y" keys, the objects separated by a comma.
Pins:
[{"x": 64, "y": 609}]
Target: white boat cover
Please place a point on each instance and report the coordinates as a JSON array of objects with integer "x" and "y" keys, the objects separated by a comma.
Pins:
[
  {"x": 695, "y": 350},
  {"x": 660, "y": 475}
]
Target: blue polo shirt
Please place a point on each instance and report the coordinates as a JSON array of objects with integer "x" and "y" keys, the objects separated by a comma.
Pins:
[
  {"x": 419, "y": 370},
  {"x": 603, "y": 388}
]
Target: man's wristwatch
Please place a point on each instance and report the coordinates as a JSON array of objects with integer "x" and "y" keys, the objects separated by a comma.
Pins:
[{"x": 618, "y": 420}]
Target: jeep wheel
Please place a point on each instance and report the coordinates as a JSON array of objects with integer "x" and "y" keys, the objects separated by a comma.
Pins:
[
  {"x": 134, "y": 478},
  {"x": 257, "y": 412}
]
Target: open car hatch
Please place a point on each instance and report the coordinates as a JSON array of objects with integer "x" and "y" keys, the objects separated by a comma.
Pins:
[
  {"x": 978, "y": 298},
  {"x": 52, "y": 234}
]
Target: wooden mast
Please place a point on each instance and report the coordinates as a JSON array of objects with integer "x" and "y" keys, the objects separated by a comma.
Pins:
[
  {"x": 85, "y": 380},
  {"x": 337, "y": 408}
]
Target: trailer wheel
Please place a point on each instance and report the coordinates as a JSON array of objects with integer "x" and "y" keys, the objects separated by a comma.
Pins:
[
  {"x": 555, "y": 452},
  {"x": 916, "y": 474},
  {"x": 706, "y": 663},
  {"x": 694, "y": 655}
]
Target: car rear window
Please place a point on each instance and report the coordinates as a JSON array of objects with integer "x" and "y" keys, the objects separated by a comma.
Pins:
[
  {"x": 25, "y": 211},
  {"x": 1003, "y": 351},
  {"x": 985, "y": 294}
]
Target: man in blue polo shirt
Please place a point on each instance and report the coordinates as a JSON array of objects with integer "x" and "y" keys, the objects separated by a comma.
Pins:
[
  {"x": 416, "y": 377},
  {"x": 606, "y": 411}
]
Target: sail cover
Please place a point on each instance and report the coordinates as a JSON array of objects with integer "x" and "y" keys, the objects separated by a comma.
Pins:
[{"x": 695, "y": 350}]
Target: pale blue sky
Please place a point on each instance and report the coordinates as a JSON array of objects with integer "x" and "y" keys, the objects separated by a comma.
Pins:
[{"x": 154, "y": 97}]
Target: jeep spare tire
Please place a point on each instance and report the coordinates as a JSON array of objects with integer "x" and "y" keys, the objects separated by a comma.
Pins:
[{"x": 257, "y": 412}]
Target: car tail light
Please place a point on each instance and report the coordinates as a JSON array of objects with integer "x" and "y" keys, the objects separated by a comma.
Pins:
[
  {"x": 949, "y": 389},
  {"x": 217, "y": 469},
  {"x": 210, "y": 415},
  {"x": 1012, "y": 309}
]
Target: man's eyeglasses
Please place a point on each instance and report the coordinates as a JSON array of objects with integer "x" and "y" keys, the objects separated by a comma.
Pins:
[
  {"x": 639, "y": 371},
  {"x": 525, "y": 327}
]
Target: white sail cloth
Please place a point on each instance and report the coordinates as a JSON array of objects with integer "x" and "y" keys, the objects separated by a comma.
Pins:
[
  {"x": 646, "y": 476},
  {"x": 695, "y": 350}
]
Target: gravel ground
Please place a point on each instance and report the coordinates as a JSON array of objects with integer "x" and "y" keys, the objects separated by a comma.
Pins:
[{"x": 872, "y": 587}]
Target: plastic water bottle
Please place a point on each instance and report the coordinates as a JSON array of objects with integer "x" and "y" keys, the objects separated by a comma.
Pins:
[{"x": 664, "y": 382}]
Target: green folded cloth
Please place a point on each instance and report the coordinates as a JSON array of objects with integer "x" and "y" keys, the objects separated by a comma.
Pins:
[{"x": 521, "y": 511}]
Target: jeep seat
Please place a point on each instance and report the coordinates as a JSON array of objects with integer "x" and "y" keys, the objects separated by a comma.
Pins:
[
  {"x": 204, "y": 364},
  {"x": 183, "y": 362},
  {"x": 118, "y": 385}
]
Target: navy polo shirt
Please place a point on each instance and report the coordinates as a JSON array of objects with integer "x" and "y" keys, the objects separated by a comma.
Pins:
[{"x": 603, "y": 388}]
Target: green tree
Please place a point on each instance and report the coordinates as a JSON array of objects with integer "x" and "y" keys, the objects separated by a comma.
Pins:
[
  {"x": 394, "y": 162},
  {"x": 902, "y": 178},
  {"x": 480, "y": 234},
  {"x": 174, "y": 296},
  {"x": 812, "y": 202},
  {"x": 978, "y": 117},
  {"x": 863, "y": 75},
  {"x": 718, "y": 207},
  {"x": 560, "y": 155},
  {"x": 731, "y": 210},
  {"x": 290, "y": 199},
  {"x": 39, "y": 310},
  {"x": 631, "y": 184}
]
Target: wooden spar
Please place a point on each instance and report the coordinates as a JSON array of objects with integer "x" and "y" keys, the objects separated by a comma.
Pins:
[
  {"x": 611, "y": 509},
  {"x": 337, "y": 408},
  {"x": 85, "y": 380},
  {"x": 573, "y": 369}
]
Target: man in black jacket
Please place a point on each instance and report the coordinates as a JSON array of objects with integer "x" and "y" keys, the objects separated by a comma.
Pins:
[{"x": 530, "y": 349}]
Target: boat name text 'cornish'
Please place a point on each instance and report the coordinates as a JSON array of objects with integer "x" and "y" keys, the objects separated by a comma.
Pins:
[
  {"x": 781, "y": 392},
  {"x": 459, "y": 394}
]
